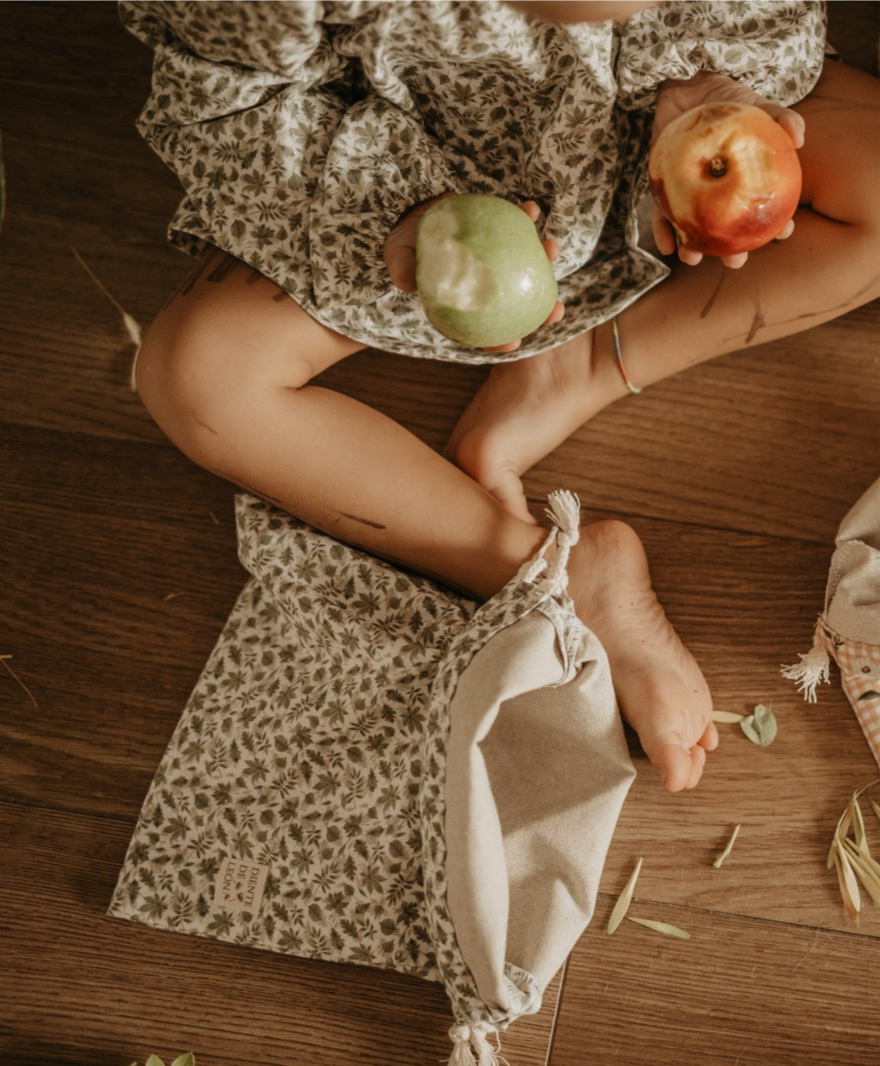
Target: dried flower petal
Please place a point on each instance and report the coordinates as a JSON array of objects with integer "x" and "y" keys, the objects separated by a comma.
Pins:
[
  {"x": 662, "y": 927},
  {"x": 623, "y": 900}
]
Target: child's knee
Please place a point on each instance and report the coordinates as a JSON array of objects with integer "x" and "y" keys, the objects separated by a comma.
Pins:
[{"x": 197, "y": 373}]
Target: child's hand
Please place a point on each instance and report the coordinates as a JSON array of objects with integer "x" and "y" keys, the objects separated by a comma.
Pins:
[
  {"x": 400, "y": 256},
  {"x": 676, "y": 97}
]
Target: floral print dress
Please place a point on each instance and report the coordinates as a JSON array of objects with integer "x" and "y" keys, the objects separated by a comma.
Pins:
[{"x": 301, "y": 131}]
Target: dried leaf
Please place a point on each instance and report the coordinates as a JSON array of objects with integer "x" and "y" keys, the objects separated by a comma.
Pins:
[
  {"x": 623, "y": 900},
  {"x": 858, "y": 825},
  {"x": 726, "y": 716},
  {"x": 662, "y": 927},
  {"x": 865, "y": 871},
  {"x": 717, "y": 863},
  {"x": 129, "y": 321},
  {"x": 874, "y": 806},
  {"x": 849, "y": 886},
  {"x": 760, "y": 727}
]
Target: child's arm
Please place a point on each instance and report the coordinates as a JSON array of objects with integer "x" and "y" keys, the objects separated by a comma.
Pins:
[{"x": 678, "y": 55}]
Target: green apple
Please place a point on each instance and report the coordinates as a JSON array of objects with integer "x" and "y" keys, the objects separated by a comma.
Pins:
[{"x": 482, "y": 274}]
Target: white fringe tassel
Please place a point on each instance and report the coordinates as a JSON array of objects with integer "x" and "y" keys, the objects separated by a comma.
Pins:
[
  {"x": 565, "y": 512},
  {"x": 812, "y": 668},
  {"x": 468, "y": 1039}
]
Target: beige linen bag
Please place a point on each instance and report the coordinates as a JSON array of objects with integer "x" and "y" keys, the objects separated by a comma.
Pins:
[
  {"x": 848, "y": 630},
  {"x": 374, "y": 770}
]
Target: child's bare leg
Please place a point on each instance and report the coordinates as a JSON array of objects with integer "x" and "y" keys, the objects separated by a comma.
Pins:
[
  {"x": 827, "y": 267},
  {"x": 226, "y": 369}
]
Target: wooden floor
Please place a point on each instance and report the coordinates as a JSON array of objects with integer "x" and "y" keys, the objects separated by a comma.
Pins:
[{"x": 119, "y": 568}]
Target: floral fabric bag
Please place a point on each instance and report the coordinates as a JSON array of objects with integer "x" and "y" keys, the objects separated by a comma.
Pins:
[
  {"x": 848, "y": 630},
  {"x": 374, "y": 770}
]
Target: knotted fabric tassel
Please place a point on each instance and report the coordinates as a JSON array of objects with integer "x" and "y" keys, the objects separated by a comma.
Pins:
[
  {"x": 460, "y": 1035},
  {"x": 565, "y": 512},
  {"x": 812, "y": 668},
  {"x": 468, "y": 1039}
]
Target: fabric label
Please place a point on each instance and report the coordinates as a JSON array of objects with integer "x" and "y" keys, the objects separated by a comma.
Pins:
[{"x": 239, "y": 885}]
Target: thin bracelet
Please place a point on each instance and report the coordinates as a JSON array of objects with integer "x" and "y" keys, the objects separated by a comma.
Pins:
[{"x": 634, "y": 389}]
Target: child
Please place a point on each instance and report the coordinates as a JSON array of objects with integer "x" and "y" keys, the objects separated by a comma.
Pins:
[{"x": 310, "y": 136}]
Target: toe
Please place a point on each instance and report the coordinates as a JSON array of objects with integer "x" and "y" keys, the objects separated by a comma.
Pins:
[{"x": 675, "y": 765}]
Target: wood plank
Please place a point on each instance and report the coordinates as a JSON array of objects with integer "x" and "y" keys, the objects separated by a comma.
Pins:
[
  {"x": 90, "y": 990},
  {"x": 675, "y": 452},
  {"x": 118, "y": 606},
  {"x": 853, "y": 29},
  {"x": 738, "y": 993}
]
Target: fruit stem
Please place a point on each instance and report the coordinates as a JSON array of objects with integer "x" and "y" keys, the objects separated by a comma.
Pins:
[{"x": 717, "y": 167}]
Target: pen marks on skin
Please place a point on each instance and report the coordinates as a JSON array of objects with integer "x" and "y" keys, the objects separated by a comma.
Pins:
[
  {"x": 844, "y": 305},
  {"x": 223, "y": 269},
  {"x": 710, "y": 303},
  {"x": 204, "y": 425},
  {"x": 759, "y": 322},
  {"x": 362, "y": 521},
  {"x": 186, "y": 286}
]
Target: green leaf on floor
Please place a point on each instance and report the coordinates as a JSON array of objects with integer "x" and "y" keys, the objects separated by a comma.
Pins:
[{"x": 760, "y": 727}]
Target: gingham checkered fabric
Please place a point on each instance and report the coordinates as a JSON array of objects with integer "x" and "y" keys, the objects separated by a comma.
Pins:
[{"x": 859, "y": 665}]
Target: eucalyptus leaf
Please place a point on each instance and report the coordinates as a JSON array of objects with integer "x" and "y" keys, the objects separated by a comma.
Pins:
[
  {"x": 623, "y": 900},
  {"x": 154, "y": 1060},
  {"x": 185, "y": 1060},
  {"x": 662, "y": 927},
  {"x": 760, "y": 727}
]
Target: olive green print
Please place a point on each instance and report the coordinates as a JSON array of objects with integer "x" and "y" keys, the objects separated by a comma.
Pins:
[
  {"x": 302, "y": 131},
  {"x": 300, "y": 804}
]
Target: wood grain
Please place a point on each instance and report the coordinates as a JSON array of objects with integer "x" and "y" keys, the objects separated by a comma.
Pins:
[
  {"x": 90, "y": 989},
  {"x": 118, "y": 569},
  {"x": 737, "y": 993}
]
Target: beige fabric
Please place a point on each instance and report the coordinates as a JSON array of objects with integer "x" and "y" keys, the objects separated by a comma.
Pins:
[
  {"x": 365, "y": 753},
  {"x": 537, "y": 773},
  {"x": 852, "y": 597}
]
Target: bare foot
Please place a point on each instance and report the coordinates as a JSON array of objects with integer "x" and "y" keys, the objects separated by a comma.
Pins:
[
  {"x": 526, "y": 408},
  {"x": 660, "y": 689}
]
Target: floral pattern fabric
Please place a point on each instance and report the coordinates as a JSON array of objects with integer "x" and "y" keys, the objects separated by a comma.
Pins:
[
  {"x": 301, "y": 131},
  {"x": 300, "y": 804}
]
